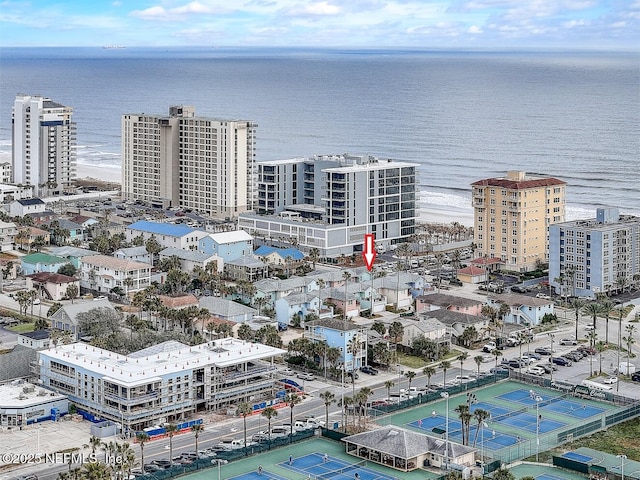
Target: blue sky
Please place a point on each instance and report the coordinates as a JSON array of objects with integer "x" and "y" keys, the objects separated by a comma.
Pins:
[{"x": 613, "y": 24}]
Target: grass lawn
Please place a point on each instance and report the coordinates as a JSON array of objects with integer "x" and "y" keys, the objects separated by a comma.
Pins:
[
  {"x": 22, "y": 328},
  {"x": 411, "y": 361}
]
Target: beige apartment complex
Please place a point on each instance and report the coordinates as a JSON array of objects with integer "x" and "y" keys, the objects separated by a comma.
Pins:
[
  {"x": 181, "y": 160},
  {"x": 512, "y": 217}
]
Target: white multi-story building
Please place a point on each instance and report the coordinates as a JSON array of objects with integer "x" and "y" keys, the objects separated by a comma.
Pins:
[
  {"x": 102, "y": 273},
  {"x": 330, "y": 202},
  {"x": 599, "y": 255},
  {"x": 166, "y": 381},
  {"x": 44, "y": 144},
  {"x": 166, "y": 234},
  {"x": 186, "y": 161}
]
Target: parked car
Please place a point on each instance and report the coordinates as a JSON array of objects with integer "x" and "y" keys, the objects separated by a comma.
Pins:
[
  {"x": 499, "y": 370},
  {"x": 564, "y": 362},
  {"x": 635, "y": 377},
  {"x": 535, "y": 370},
  {"x": 571, "y": 356},
  {"x": 306, "y": 376},
  {"x": 578, "y": 353},
  {"x": 589, "y": 327},
  {"x": 544, "y": 296},
  {"x": 369, "y": 370},
  {"x": 610, "y": 380},
  {"x": 548, "y": 368},
  {"x": 587, "y": 349},
  {"x": 518, "y": 289},
  {"x": 568, "y": 341},
  {"x": 534, "y": 355}
]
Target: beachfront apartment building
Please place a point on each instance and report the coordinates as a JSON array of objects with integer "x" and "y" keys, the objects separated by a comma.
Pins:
[
  {"x": 102, "y": 273},
  {"x": 167, "y": 381},
  {"x": 598, "y": 255},
  {"x": 43, "y": 144},
  {"x": 167, "y": 235},
  {"x": 512, "y": 216},
  {"x": 190, "y": 162},
  {"x": 330, "y": 202}
]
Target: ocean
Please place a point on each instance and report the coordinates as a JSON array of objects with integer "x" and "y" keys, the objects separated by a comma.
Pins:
[{"x": 462, "y": 116}]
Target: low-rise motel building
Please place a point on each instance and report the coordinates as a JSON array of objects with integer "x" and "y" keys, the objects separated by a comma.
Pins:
[{"x": 167, "y": 382}]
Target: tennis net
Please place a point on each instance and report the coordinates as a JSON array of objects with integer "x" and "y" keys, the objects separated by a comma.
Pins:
[{"x": 340, "y": 471}]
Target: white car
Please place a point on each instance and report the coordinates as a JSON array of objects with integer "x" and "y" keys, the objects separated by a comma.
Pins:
[
  {"x": 534, "y": 370},
  {"x": 589, "y": 327},
  {"x": 306, "y": 376},
  {"x": 610, "y": 380}
]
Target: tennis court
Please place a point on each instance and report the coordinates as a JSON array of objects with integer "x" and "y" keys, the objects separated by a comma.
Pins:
[
  {"x": 259, "y": 476},
  {"x": 524, "y": 420},
  {"x": 320, "y": 466}
]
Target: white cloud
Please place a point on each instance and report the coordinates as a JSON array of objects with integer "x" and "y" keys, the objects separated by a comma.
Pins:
[{"x": 474, "y": 30}]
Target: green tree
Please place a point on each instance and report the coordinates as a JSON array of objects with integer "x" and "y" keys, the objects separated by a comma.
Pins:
[
  {"x": 410, "y": 375},
  {"x": 245, "y": 409},
  {"x": 379, "y": 327},
  {"x": 143, "y": 438},
  {"x": 480, "y": 415},
  {"x": 503, "y": 474},
  {"x": 40, "y": 324},
  {"x": 72, "y": 291},
  {"x": 445, "y": 365},
  {"x": 389, "y": 384},
  {"x": 396, "y": 332},
  {"x": 461, "y": 358},
  {"x": 593, "y": 309},
  {"x": 292, "y": 399},
  {"x": 478, "y": 359},
  {"x": 54, "y": 308},
  {"x": 328, "y": 398},
  {"x": 429, "y": 372},
  {"x": 269, "y": 413},
  {"x": 68, "y": 269},
  {"x": 171, "y": 430},
  {"x": 245, "y": 332},
  {"x": 577, "y": 305},
  {"x": 154, "y": 248}
]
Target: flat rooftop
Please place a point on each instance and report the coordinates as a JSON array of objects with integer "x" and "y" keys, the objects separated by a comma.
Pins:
[
  {"x": 162, "y": 359},
  {"x": 21, "y": 394}
]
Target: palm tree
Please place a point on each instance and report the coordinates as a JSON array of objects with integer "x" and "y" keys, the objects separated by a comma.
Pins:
[
  {"x": 389, "y": 384},
  {"x": 463, "y": 411},
  {"x": 595, "y": 310},
  {"x": 478, "y": 359},
  {"x": 328, "y": 398},
  {"x": 628, "y": 339},
  {"x": 429, "y": 372},
  {"x": 171, "y": 430},
  {"x": 94, "y": 442},
  {"x": 480, "y": 416},
  {"x": 607, "y": 306},
  {"x": 346, "y": 275},
  {"x": 461, "y": 358},
  {"x": 601, "y": 347},
  {"x": 592, "y": 335},
  {"x": 269, "y": 413},
  {"x": 244, "y": 409},
  {"x": 292, "y": 399},
  {"x": 396, "y": 332},
  {"x": 445, "y": 365},
  {"x": 143, "y": 437},
  {"x": 410, "y": 374},
  {"x": 363, "y": 399},
  {"x": 577, "y": 305},
  {"x": 197, "y": 429}
]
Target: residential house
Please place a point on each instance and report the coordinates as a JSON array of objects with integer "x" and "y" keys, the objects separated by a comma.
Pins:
[
  {"x": 41, "y": 262},
  {"x": 400, "y": 289},
  {"x": 458, "y": 322},
  {"x": 134, "y": 254},
  {"x": 349, "y": 338},
  {"x": 8, "y": 232},
  {"x": 74, "y": 255},
  {"x": 227, "y": 309},
  {"x": 36, "y": 340},
  {"x": 66, "y": 317},
  {"x": 76, "y": 232},
  {"x": 102, "y": 273},
  {"x": 166, "y": 234},
  {"x": 472, "y": 274},
  {"x": 247, "y": 268},
  {"x": 524, "y": 310},
  {"x": 300, "y": 304},
  {"x": 9, "y": 193},
  {"x": 272, "y": 289},
  {"x": 189, "y": 259},
  {"x": 340, "y": 300},
  {"x": 27, "y": 206},
  {"x": 227, "y": 245},
  {"x": 436, "y": 301},
  {"x": 84, "y": 221},
  {"x": 27, "y": 236},
  {"x": 52, "y": 286},
  {"x": 279, "y": 258}
]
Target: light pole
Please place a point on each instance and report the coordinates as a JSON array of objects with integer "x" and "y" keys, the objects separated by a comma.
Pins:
[
  {"x": 537, "y": 399},
  {"x": 445, "y": 395},
  {"x": 482, "y": 426},
  {"x": 219, "y": 462},
  {"x": 622, "y": 458},
  {"x": 551, "y": 337}
]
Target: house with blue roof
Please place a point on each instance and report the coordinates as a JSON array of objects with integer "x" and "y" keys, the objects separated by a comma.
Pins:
[
  {"x": 280, "y": 258},
  {"x": 168, "y": 235}
]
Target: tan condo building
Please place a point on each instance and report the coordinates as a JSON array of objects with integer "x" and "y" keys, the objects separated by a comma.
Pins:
[
  {"x": 189, "y": 162},
  {"x": 512, "y": 217}
]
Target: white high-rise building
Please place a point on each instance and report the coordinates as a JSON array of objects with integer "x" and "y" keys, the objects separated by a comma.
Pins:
[
  {"x": 181, "y": 160},
  {"x": 44, "y": 144}
]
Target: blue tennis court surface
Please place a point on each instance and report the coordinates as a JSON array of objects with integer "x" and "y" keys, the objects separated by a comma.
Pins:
[
  {"x": 578, "y": 457},
  {"x": 319, "y": 466},
  {"x": 553, "y": 403},
  {"x": 491, "y": 439}
]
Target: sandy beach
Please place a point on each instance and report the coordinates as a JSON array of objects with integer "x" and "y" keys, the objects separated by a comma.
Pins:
[{"x": 426, "y": 213}]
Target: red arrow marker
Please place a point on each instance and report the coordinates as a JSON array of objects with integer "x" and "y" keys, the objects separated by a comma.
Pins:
[{"x": 369, "y": 252}]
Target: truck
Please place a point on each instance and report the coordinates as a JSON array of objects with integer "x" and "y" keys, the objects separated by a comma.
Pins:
[{"x": 626, "y": 368}]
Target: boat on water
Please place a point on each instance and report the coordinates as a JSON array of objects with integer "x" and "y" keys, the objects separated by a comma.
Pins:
[{"x": 113, "y": 46}]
